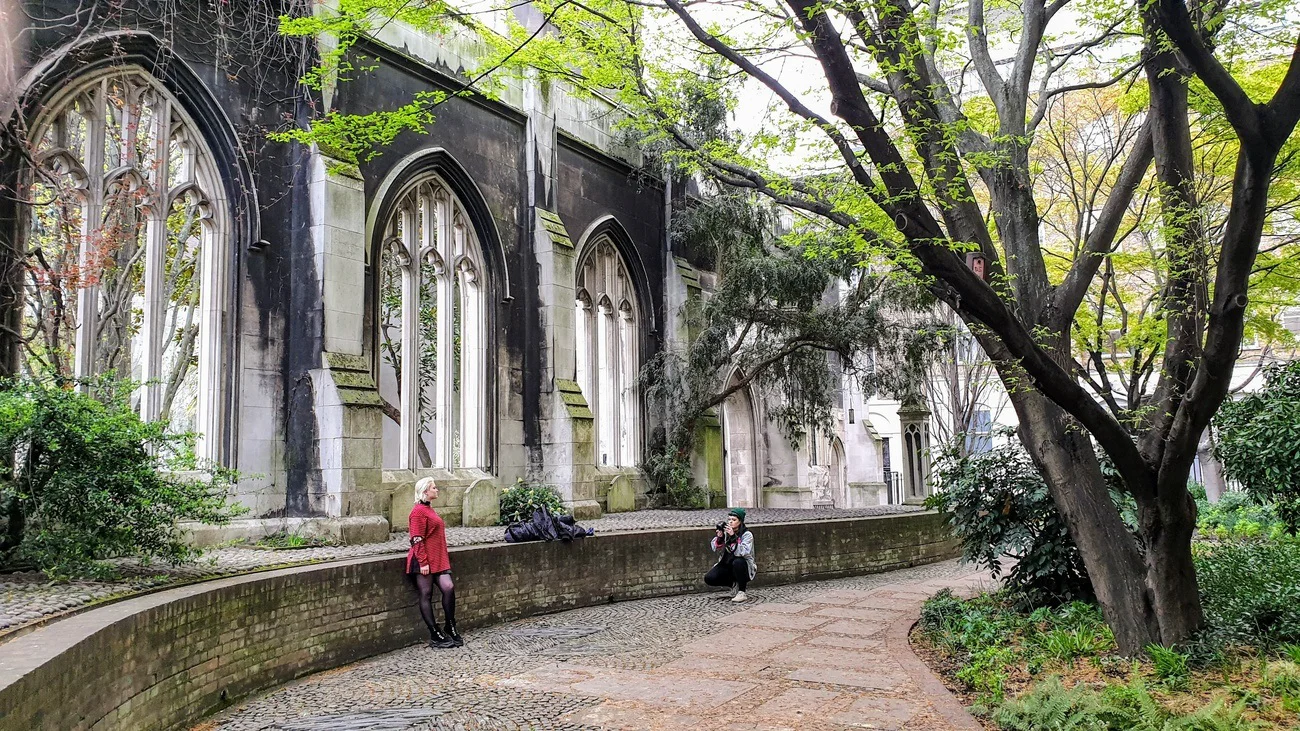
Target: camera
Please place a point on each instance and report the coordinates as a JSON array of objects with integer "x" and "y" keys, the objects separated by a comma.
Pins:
[{"x": 722, "y": 525}]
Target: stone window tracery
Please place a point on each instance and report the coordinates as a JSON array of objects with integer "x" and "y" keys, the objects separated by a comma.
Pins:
[
  {"x": 129, "y": 231},
  {"x": 607, "y": 333},
  {"x": 915, "y": 445},
  {"x": 431, "y": 314}
]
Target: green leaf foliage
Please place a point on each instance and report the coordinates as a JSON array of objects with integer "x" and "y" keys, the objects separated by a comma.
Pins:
[
  {"x": 1250, "y": 592},
  {"x": 999, "y": 507},
  {"x": 779, "y": 324},
  {"x": 1236, "y": 515},
  {"x": 1259, "y": 442},
  {"x": 1131, "y": 707},
  {"x": 91, "y": 481},
  {"x": 519, "y": 502}
]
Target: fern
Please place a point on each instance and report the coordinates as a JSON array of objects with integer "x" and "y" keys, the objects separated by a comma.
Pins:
[{"x": 1051, "y": 707}]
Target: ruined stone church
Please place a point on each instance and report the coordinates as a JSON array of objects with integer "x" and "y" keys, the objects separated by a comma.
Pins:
[{"x": 475, "y": 302}]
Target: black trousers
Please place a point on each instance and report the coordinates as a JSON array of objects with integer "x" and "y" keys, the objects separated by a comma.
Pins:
[{"x": 730, "y": 570}]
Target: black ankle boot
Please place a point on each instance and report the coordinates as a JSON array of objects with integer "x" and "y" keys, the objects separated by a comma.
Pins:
[
  {"x": 438, "y": 639},
  {"x": 453, "y": 636}
]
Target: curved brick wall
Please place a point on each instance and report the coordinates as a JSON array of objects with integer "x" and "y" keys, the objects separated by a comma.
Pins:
[{"x": 168, "y": 659}]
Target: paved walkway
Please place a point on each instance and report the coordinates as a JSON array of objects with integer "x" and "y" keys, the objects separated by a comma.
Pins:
[
  {"x": 820, "y": 655},
  {"x": 29, "y": 597}
]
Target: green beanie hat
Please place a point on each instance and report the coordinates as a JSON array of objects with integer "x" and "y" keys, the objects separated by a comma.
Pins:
[{"x": 738, "y": 512}]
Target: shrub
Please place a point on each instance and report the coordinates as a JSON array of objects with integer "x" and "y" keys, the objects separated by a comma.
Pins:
[
  {"x": 91, "y": 481},
  {"x": 1259, "y": 442},
  {"x": 669, "y": 471},
  {"x": 998, "y": 505},
  {"x": 986, "y": 673},
  {"x": 1250, "y": 591},
  {"x": 519, "y": 502}
]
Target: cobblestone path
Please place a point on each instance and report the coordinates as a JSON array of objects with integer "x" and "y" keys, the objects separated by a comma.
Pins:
[
  {"x": 28, "y": 597},
  {"x": 819, "y": 655}
]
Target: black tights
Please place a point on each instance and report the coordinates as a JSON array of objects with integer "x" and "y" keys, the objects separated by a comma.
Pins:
[
  {"x": 424, "y": 584},
  {"x": 728, "y": 572}
]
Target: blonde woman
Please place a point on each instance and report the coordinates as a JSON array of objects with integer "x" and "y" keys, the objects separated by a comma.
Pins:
[{"x": 427, "y": 563}]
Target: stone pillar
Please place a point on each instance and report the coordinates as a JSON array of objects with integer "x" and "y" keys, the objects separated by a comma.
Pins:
[
  {"x": 345, "y": 400},
  {"x": 914, "y": 425},
  {"x": 682, "y": 289},
  {"x": 568, "y": 456},
  {"x": 1211, "y": 468}
]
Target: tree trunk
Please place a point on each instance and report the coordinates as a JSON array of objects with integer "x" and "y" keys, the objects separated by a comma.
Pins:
[
  {"x": 1171, "y": 573},
  {"x": 1064, "y": 456},
  {"x": 17, "y": 523}
]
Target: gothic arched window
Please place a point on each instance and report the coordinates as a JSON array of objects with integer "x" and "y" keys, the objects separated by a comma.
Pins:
[
  {"x": 431, "y": 315},
  {"x": 128, "y": 226},
  {"x": 915, "y": 446},
  {"x": 608, "y": 336}
]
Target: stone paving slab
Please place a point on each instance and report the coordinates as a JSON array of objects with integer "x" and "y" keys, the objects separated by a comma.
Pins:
[
  {"x": 674, "y": 663},
  {"x": 852, "y": 627},
  {"x": 30, "y": 597},
  {"x": 856, "y": 613}
]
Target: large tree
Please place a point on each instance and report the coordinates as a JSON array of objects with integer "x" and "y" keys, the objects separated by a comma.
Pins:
[{"x": 870, "y": 124}]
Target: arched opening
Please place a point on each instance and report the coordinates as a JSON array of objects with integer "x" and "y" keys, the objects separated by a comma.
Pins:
[
  {"x": 740, "y": 450},
  {"x": 431, "y": 333},
  {"x": 130, "y": 232},
  {"x": 607, "y": 335},
  {"x": 838, "y": 470}
]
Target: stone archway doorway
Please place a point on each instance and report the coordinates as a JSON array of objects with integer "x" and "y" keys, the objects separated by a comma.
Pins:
[
  {"x": 838, "y": 475},
  {"x": 740, "y": 450}
]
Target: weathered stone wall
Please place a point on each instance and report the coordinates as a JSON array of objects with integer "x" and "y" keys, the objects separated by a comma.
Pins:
[{"x": 168, "y": 659}]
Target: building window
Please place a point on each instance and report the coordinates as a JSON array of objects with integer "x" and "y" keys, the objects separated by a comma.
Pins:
[
  {"x": 607, "y": 334},
  {"x": 431, "y": 316},
  {"x": 128, "y": 226},
  {"x": 915, "y": 445},
  {"x": 980, "y": 437}
]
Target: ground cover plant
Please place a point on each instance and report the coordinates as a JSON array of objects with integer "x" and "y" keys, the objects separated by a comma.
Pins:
[
  {"x": 1236, "y": 515},
  {"x": 1059, "y": 667}
]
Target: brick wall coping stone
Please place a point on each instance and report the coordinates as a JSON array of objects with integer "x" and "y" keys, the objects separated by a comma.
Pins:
[{"x": 170, "y": 658}]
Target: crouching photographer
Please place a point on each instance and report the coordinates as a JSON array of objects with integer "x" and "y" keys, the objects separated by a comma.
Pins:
[{"x": 735, "y": 567}]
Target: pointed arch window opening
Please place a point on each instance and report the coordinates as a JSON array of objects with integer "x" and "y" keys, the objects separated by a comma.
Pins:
[
  {"x": 607, "y": 335},
  {"x": 432, "y": 308},
  {"x": 915, "y": 444},
  {"x": 582, "y": 324},
  {"x": 130, "y": 221}
]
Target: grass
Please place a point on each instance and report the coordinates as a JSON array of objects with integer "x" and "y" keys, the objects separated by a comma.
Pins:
[
  {"x": 1058, "y": 668},
  {"x": 282, "y": 541}
]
